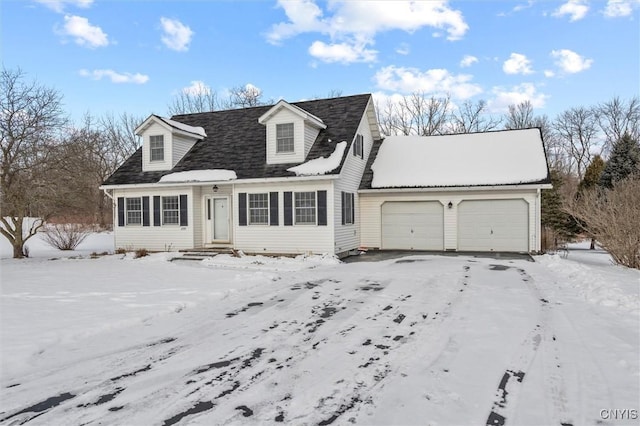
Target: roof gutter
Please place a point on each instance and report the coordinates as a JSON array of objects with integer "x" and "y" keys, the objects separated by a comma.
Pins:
[
  {"x": 458, "y": 188},
  {"x": 221, "y": 182}
]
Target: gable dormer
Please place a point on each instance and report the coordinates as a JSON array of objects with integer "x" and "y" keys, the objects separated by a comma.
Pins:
[
  {"x": 290, "y": 132},
  {"x": 165, "y": 142}
]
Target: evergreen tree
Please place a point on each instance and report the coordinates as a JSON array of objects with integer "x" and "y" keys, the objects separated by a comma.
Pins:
[
  {"x": 624, "y": 161},
  {"x": 592, "y": 174},
  {"x": 552, "y": 215},
  {"x": 591, "y": 181}
]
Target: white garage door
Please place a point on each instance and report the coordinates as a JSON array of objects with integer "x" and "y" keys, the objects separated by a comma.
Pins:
[
  {"x": 412, "y": 225},
  {"x": 493, "y": 225}
]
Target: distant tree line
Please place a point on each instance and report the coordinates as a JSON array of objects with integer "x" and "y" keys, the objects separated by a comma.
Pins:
[{"x": 51, "y": 168}]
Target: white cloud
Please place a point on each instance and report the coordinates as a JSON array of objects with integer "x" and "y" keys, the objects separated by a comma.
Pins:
[
  {"x": 517, "y": 64},
  {"x": 356, "y": 23},
  {"x": 403, "y": 49},
  {"x": 83, "y": 32},
  {"x": 576, "y": 9},
  {"x": 468, "y": 60},
  {"x": 619, "y": 8},
  {"x": 570, "y": 62},
  {"x": 59, "y": 5},
  {"x": 549, "y": 73},
  {"x": 517, "y": 8},
  {"x": 176, "y": 36},
  {"x": 197, "y": 88},
  {"x": 114, "y": 76},
  {"x": 503, "y": 97},
  {"x": 438, "y": 82},
  {"x": 341, "y": 52}
]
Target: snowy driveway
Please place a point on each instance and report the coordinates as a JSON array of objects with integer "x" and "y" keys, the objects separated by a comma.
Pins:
[{"x": 416, "y": 340}]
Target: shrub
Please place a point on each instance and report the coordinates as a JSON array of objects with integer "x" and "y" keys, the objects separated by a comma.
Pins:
[
  {"x": 66, "y": 236},
  {"x": 142, "y": 252},
  {"x": 612, "y": 216},
  {"x": 121, "y": 250}
]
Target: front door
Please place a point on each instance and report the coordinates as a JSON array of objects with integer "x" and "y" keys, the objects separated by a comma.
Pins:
[{"x": 216, "y": 219}]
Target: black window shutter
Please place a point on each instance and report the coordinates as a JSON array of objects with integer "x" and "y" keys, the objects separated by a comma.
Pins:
[
  {"x": 156, "y": 210},
  {"x": 322, "y": 208},
  {"x": 361, "y": 146},
  {"x": 353, "y": 208},
  {"x": 273, "y": 208},
  {"x": 145, "y": 211},
  {"x": 344, "y": 207},
  {"x": 242, "y": 209},
  {"x": 184, "y": 220},
  {"x": 288, "y": 209},
  {"x": 120, "y": 211}
]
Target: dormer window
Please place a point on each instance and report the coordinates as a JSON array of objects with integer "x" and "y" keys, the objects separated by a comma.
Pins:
[
  {"x": 284, "y": 138},
  {"x": 156, "y": 146}
]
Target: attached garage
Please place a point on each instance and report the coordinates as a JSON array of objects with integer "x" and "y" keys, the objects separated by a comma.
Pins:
[
  {"x": 412, "y": 225},
  {"x": 463, "y": 192},
  {"x": 493, "y": 225}
]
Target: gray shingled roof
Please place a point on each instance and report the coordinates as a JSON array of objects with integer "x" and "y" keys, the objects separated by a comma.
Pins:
[{"x": 236, "y": 141}]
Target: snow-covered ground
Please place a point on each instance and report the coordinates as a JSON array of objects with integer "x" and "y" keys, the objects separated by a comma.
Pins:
[{"x": 426, "y": 339}]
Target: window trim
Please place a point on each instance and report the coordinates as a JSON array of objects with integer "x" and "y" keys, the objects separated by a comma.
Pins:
[
  {"x": 156, "y": 139},
  {"x": 163, "y": 210},
  {"x": 315, "y": 208},
  {"x": 267, "y": 208},
  {"x": 358, "y": 146},
  {"x": 281, "y": 138},
  {"x": 127, "y": 210}
]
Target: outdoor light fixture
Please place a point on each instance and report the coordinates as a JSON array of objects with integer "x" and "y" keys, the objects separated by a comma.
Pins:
[
  {"x": 450, "y": 205},
  {"x": 215, "y": 189}
]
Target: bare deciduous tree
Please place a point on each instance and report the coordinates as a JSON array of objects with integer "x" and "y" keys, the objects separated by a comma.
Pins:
[
  {"x": 187, "y": 102},
  {"x": 616, "y": 118},
  {"x": 30, "y": 117},
  {"x": 577, "y": 131},
  {"x": 472, "y": 117},
  {"x": 244, "y": 96},
  {"x": 520, "y": 116}
]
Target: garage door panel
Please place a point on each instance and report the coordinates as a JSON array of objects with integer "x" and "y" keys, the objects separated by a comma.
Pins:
[
  {"x": 493, "y": 225},
  {"x": 415, "y": 225}
]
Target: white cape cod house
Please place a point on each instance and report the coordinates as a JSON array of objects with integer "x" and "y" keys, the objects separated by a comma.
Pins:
[{"x": 315, "y": 177}]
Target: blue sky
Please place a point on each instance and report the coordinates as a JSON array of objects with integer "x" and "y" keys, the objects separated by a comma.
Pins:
[{"x": 135, "y": 56}]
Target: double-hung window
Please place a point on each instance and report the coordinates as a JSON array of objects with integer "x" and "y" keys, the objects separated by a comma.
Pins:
[
  {"x": 134, "y": 211},
  {"x": 156, "y": 147},
  {"x": 358, "y": 146},
  {"x": 259, "y": 209},
  {"x": 170, "y": 210},
  {"x": 305, "y": 208},
  {"x": 284, "y": 137}
]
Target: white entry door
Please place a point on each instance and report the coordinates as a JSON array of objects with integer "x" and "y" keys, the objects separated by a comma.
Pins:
[
  {"x": 220, "y": 219},
  {"x": 216, "y": 216}
]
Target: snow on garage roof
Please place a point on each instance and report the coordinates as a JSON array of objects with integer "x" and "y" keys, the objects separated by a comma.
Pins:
[{"x": 490, "y": 158}]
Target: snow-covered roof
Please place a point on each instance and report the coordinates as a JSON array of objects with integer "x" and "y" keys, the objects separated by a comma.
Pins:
[
  {"x": 184, "y": 127},
  {"x": 322, "y": 165},
  {"x": 490, "y": 158},
  {"x": 196, "y": 131},
  {"x": 212, "y": 175}
]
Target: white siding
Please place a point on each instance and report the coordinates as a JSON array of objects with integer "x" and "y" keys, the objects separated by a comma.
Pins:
[
  {"x": 310, "y": 136},
  {"x": 284, "y": 239},
  {"x": 180, "y": 146},
  {"x": 347, "y": 237},
  {"x": 370, "y": 212},
  {"x": 156, "y": 129},
  {"x": 281, "y": 117},
  {"x": 156, "y": 238}
]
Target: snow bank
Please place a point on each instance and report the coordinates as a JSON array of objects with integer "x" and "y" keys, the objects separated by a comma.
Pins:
[
  {"x": 266, "y": 263},
  {"x": 210, "y": 175},
  {"x": 322, "y": 165},
  {"x": 490, "y": 158},
  {"x": 596, "y": 279}
]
